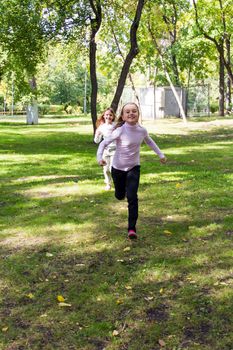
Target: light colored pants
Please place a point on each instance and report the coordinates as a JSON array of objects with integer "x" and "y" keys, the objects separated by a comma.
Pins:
[{"x": 108, "y": 157}]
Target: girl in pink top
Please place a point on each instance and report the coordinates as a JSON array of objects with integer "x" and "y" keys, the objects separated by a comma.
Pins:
[{"x": 126, "y": 161}]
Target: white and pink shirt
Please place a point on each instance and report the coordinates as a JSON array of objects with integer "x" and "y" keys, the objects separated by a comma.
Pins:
[{"x": 128, "y": 140}]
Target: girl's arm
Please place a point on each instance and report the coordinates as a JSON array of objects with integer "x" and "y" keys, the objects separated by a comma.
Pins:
[
  {"x": 148, "y": 140},
  {"x": 98, "y": 135},
  {"x": 114, "y": 135}
]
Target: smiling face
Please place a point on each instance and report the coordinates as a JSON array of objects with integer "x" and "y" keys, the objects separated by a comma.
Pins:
[
  {"x": 130, "y": 113},
  {"x": 108, "y": 117}
]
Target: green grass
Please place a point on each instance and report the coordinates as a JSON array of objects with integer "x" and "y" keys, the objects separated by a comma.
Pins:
[{"x": 62, "y": 234}]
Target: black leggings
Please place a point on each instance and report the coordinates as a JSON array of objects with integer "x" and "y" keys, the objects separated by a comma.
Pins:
[{"x": 126, "y": 184}]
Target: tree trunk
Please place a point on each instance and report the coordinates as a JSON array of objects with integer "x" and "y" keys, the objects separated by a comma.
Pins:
[
  {"x": 94, "y": 84},
  {"x": 175, "y": 70},
  {"x": 32, "y": 108},
  {"x": 130, "y": 75},
  {"x": 95, "y": 26},
  {"x": 134, "y": 50},
  {"x": 221, "y": 86},
  {"x": 178, "y": 100},
  {"x": 229, "y": 83},
  {"x": 217, "y": 44}
]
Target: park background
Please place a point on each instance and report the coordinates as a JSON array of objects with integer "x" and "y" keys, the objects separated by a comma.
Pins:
[{"x": 70, "y": 279}]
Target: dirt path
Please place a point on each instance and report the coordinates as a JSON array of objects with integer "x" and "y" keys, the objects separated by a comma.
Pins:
[{"x": 176, "y": 126}]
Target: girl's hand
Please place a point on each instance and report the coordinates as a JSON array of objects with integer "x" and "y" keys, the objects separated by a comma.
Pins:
[
  {"x": 163, "y": 160},
  {"x": 102, "y": 162}
]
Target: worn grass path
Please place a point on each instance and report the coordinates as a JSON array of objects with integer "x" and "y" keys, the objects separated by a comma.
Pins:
[{"x": 69, "y": 279}]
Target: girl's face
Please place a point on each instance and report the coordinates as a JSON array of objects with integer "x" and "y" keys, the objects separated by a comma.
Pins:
[
  {"x": 108, "y": 117},
  {"x": 130, "y": 114}
]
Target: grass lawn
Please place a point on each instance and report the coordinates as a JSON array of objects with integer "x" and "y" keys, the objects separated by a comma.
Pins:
[{"x": 69, "y": 278}]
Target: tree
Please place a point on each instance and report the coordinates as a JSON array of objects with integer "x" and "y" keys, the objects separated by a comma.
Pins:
[
  {"x": 95, "y": 26},
  {"x": 134, "y": 50},
  {"x": 22, "y": 40},
  {"x": 214, "y": 24}
]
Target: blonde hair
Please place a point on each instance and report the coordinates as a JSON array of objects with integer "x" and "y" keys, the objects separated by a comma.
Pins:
[
  {"x": 101, "y": 119},
  {"x": 120, "y": 121}
]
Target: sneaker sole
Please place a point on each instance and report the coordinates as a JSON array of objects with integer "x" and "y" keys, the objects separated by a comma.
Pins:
[{"x": 132, "y": 236}]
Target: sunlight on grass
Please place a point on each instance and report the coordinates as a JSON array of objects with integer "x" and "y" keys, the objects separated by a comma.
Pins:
[
  {"x": 69, "y": 233},
  {"x": 165, "y": 176},
  {"x": 81, "y": 188},
  {"x": 45, "y": 177},
  {"x": 63, "y": 234},
  {"x": 52, "y": 190},
  {"x": 205, "y": 230},
  {"x": 155, "y": 274},
  {"x": 175, "y": 218}
]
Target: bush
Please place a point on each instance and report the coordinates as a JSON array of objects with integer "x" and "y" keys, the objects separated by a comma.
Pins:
[
  {"x": 214, "y": 107},
  {"x": 43, "y": 109},
  {"x": 50, "y": 109}
]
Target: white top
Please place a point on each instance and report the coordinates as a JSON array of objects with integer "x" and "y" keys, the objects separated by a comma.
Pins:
[
  {"x": 104, "y": 131},
  {"x": 128, "y": 140}
]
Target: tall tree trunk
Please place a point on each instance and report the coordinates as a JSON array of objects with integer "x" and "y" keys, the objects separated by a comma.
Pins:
[
  {"x": 178, "y": 100},
  {"x": 130, "y": 75},
  {"x": 175, "y": 70},
  {"x": 229, "y": 83},
  {"x": 95, "y": 26},
  {"x": 32, "y": 108},
  {"x": 217, "y": 44},
  {"x": 134, "y": 50},
  {"x": 221, "y": 87},
  {"x": 171, "y": 22}
]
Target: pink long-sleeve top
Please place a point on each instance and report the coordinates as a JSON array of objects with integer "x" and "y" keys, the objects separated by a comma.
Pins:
[{"x": 128, "y": 140}]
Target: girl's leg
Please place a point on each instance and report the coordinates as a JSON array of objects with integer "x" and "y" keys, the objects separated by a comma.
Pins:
[
  {"x": 132, "y": 184},
  {"x": 107, "y": 173},
  {"x": 119, "y": 180}
]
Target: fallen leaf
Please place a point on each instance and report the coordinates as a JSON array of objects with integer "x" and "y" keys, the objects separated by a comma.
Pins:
[
  {"x": 30, "y": 296},
  {"x": 167, "y": 232},
  {"x": 128, "y": 287},
  {"x": 115, "y": 333},
  {"x": 64, "y": 304},
  {"x": 127, "y": 249},
  {"x": 60, "y": 298},
  {"x": 119, "y": 301},
  {"x": 161, "y": 291},
  {"x": 49, "y": 255},
  {"x": 5, "y": 329},
  {"x": 161, "y": 342}
]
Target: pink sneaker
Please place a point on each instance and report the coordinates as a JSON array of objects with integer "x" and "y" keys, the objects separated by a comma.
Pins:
[{"x": 132, "y": 234}]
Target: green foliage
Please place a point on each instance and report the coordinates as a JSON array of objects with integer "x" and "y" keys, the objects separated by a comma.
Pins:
[
  {"x": 21, "y": 34},
  {"x": 62, "y": 79},
  {"x": 49, "y": 41}
]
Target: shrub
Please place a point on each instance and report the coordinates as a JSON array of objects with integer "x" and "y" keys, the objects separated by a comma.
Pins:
[{"x": 214, "y": 107}]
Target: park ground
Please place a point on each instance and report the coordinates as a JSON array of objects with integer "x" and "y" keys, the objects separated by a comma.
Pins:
[{"x": 69, "y": 278}]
